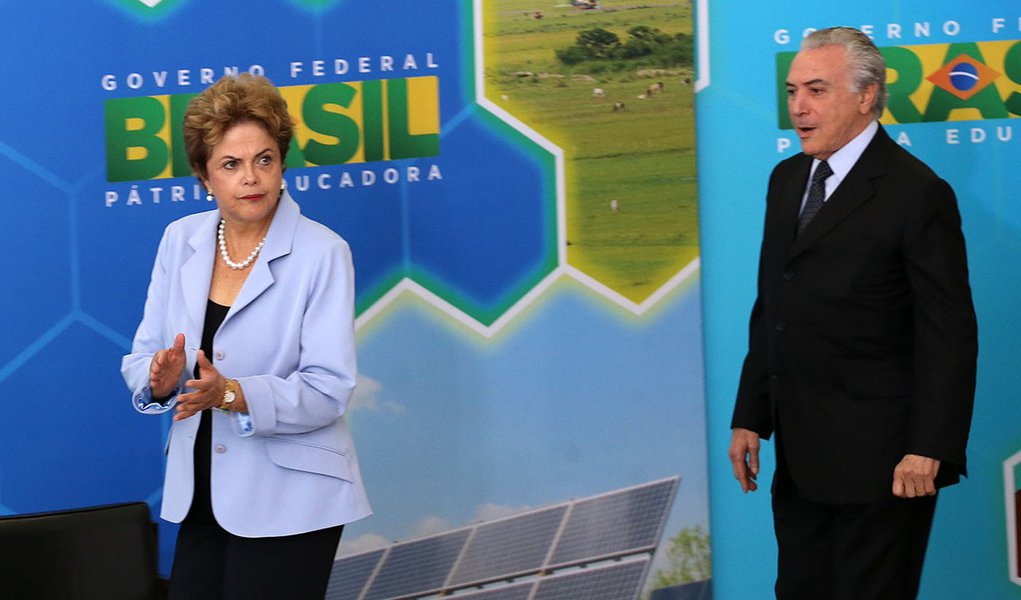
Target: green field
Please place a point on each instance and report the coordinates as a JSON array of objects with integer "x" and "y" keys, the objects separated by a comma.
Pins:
[{"x": 641, "y": 156}]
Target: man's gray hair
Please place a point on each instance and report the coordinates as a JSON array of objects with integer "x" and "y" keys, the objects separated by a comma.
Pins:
[{"x": 863, "y": 58}]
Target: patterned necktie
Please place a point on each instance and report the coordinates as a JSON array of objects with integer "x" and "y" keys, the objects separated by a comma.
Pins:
[{"x": 816, "y": 194}]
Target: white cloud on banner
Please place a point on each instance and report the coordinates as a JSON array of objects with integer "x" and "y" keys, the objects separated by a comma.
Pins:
[
  {"x": 492, "y": 512},
  {"x": 427, "y": 526},
  {"x": 430, "y": 525},
  {"x": 362, "y": 543},
  {"x": 366, "y": 397}
]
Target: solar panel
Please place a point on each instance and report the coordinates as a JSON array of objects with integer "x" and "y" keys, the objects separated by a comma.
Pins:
[
  {"x": 417, "y": 567},
  {"x": 622, "y": 581},
  {"x": 511, "y": 592},
  {"x": 608, "y": 525},
  {"x": 350, "y": 574},
  {"x": 509, "y": 547}
]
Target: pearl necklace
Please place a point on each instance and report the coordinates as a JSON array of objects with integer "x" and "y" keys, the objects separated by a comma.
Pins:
[{"x": 226, "y": 257}]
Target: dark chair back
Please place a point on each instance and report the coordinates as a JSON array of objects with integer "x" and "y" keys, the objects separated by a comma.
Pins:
[{"x": 103, "y": 552}]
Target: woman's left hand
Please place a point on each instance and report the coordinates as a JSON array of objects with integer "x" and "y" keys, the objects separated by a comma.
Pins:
[{"x": 206, "y": 391}]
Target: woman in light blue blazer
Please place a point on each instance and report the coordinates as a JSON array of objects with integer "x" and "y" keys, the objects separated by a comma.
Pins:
[{"x": 248, "y": 337}]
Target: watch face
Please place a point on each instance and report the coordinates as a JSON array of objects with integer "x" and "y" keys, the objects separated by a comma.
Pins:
[{"x": 228, "y": 397}]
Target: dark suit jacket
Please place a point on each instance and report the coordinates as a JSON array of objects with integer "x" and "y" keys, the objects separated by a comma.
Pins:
[{"x": 863, "y": 338}]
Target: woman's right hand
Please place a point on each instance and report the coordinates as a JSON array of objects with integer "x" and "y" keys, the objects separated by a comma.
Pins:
[{"x": 166, "y": 368}]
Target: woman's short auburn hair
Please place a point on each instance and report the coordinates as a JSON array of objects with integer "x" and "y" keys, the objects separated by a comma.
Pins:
[{"x": 232, "y": 100}]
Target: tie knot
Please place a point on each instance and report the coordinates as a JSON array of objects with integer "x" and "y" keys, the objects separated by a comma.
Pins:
[{"x": 822, "y": 171}]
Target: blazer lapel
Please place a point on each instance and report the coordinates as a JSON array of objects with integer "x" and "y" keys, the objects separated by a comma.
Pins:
[
  {"x": 853, "y": 191},
  {"x": 196, "y": 271},
  {"x": 789, "y": 203},
  {"x": 279, "y": 239}
]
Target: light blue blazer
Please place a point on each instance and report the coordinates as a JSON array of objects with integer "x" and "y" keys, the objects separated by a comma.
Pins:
[{"x": 289, "y": 466}]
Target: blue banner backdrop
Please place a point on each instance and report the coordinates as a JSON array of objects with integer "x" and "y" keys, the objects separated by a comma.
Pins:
[
  {"x": 524, "y": 234},
  {"x": 969, "y": 134}
]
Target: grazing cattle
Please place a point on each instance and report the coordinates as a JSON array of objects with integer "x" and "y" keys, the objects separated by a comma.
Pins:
[
  {"x": 598, "y": 92},
  {"x": 656, "y": 88},
  {"x": 618, "y": 106}
]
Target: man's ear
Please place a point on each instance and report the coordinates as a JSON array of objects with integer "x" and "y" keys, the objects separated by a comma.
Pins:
[{"x": 867, "y": 99}]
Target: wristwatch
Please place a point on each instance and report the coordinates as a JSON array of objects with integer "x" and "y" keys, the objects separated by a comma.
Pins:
[{"x": 230, "y": 393}]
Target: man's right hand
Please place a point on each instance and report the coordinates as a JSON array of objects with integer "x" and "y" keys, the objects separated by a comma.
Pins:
[
  {"x": 744, "y": 457},
  {"x": 166, "y": 368}
]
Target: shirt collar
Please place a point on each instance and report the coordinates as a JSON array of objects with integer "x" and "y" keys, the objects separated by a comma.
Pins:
[{"x": 843, "y": 160}]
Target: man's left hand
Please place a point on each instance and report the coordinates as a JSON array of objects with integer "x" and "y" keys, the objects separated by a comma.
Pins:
[{"x": 915, "y": 476}]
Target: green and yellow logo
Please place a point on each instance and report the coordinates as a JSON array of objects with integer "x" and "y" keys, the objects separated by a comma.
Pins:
[
  {"x": 939, "y": 82},
  {"x": 336, "y": 123}
]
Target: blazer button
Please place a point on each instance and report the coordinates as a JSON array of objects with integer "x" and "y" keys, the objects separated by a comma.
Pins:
[
  {"x": 218, "y": 355},
  {"x": 788, "y": 275},
  {"x": 780, "y": 327},
  {"x": 220, "y": 449}
]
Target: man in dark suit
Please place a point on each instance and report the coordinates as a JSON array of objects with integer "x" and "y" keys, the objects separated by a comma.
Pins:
[{"x": 863, "y": 339}]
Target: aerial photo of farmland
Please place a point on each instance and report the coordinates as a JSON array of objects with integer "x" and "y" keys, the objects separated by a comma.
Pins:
[{"x": 611, "y": 83}]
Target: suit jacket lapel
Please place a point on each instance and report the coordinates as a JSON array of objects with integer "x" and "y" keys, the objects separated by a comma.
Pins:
[
  {"x": 196, "y": 271},
  {"x": 853, "y": 191},
  {"x": 791, "y": 195},
  {"x": 279, "y": 239}
]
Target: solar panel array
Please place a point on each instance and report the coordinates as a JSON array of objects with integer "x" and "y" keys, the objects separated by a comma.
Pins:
[
  {"x": 418, "y": 566},
  {"x": 529, "y": 556},
  {"x": 520, "y": 591},
  {"x": 621, "y": 522},
  {"x": 350, "y": 574},
  {"x": 502, "y": 549},
  {"x": 612, "y": 581},
  {"x": 623, "y": 580}
]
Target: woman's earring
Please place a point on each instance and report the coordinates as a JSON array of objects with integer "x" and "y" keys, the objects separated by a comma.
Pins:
[
  {"x": 283, "y": 185},
  {"x": 210, "y": 197}
]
